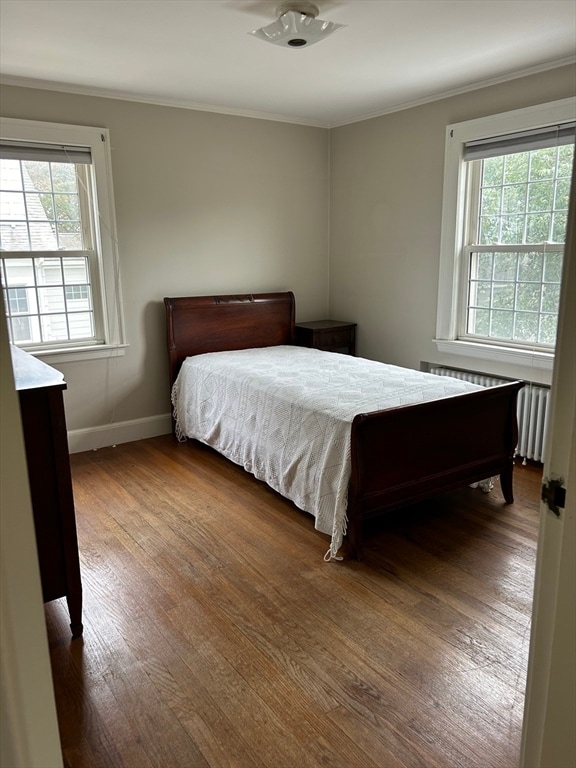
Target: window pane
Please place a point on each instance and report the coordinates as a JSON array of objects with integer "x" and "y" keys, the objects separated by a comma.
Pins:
[
  {"x": 64, "y": 177},
  {"x": 42, "y": 236},
  {"x": 489, "y": 229},
  {"x": 21, "y": 330},
  {"x": 530, "y": 267},
  {"x": 51, "y": 299},
  {"x": 482, "y": 294},
  {"x": 538, "y": 229},
  {"x": 49, "y": 271},
  {"x": 18, "y": 272},
  {"x": 12, "y": 207},
  {"x": 526, "y": 326},
  {"x": 37, "y": 175},
  {"x": 491, "y": 199},
  {"x": 516, "y": 168},
  {"x": 35, "y": 207},
  {"x": 559, "y": 225},
  {"x": 81, "y": 325},
  {"x": 503, "y": 295},
  {"x": 528, "y": 297},
  {"x": 562, "y": 195},
  {"x": 69, "y": 235},
  {"x": 493, "y": 171},
  {"x": 553, "y": 267},
  {"x": 54, "y": 328},
  {"x": 565, "y": 160},
  {"x": 14, "y": 237},
  {"x": 67, "y": 207},
  {"x": 10, "y": 176},
  {"x": 76, "y": 270},
  {"x": 479, "y": 322},
  {"x": 47, "y": 209},
  {"x": 550, "y": 298},
  {"x": 548, "y": 324},
  {"x": 543, "y": 163},
  {"x": 501, "y": 325},
  {"x": 514, "y": 199},
  {"x": 512, "y": 230},
  {"x": 485, "y": 266},
  {"x": 540, "y": 196},
  {"x": 505, "y": 266}
]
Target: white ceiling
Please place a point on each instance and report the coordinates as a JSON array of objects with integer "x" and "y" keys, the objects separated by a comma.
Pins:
[{"x": 198, "y": 54}]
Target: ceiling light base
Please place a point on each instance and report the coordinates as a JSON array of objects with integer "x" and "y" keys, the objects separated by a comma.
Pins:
[
  {"x": 297, "y": 26},
  {"x": 298, "y": 6}
]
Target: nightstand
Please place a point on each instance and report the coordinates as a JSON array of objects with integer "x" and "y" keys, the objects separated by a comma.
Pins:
[{"x": 329, "y": 335}]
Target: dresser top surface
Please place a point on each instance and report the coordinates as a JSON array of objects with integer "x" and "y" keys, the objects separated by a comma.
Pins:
[
  {"x": 31, "y": 373},
  {"x": 320, "y": 325}
]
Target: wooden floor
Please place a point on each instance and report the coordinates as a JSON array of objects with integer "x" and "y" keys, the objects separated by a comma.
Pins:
[{"x": 216, "y": 635}]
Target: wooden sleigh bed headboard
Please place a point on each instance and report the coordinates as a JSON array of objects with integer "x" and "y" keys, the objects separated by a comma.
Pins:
[{"x": 200, "y": 324}]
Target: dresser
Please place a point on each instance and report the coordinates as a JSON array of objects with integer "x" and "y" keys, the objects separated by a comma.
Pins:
[
  {"x": 40, "y": 389},
  {"x": 329, "y": 335}
]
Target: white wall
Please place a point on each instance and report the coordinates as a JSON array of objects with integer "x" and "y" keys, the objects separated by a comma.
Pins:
[
  {"x": 205, "y": 203},
  {"x": 349, "y": 219},
  {"x": 386, "y": 206}
]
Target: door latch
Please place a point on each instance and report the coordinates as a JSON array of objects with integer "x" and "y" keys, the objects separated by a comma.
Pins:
[{"x": 554, "y": 495}]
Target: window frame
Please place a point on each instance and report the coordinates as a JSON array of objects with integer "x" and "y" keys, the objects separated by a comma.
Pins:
[
  {"x": 104, "y": 274},
  {"x": 455, "y": 225}
]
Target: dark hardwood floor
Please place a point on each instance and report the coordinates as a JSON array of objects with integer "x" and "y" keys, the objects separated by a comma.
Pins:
[{"x": 216, "y": 636}]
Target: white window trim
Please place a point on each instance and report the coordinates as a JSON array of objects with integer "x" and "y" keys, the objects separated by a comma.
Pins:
[
  {"x": 453, "y": 223},
  {"x": 109, "y": 290}
]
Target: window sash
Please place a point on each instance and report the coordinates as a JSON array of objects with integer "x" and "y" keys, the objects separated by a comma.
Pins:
[
  {"x": 37, "y": 309},
  {"x": 470, "y": 282}
]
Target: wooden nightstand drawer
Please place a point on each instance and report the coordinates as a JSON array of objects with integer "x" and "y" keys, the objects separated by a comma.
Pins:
[{"x": 329, "y": 335}]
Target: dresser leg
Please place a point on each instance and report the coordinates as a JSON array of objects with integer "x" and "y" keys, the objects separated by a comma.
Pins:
[{"x": 75, "y": 611}]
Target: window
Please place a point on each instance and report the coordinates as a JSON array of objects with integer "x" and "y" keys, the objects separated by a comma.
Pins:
[
  {"x": 58, "y": 260},
  {"x": 506, "y": 194}
]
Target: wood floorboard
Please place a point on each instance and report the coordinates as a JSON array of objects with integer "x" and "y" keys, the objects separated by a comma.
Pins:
[{"x": 217, "y": 637}]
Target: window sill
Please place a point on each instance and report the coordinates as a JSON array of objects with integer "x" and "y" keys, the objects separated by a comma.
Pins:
[
  {"x": 79, "y": 354},
  {"x": 509, "y": 355}
]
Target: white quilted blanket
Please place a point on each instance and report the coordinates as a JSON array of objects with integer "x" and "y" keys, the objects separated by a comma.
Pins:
[{"x": 284, "y": 414}]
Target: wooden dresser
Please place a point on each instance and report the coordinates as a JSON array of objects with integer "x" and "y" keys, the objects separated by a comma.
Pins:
[{"x": 40, "y": 389}]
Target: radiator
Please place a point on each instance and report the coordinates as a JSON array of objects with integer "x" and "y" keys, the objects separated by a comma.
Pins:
[{"x": 532, "y": 410}]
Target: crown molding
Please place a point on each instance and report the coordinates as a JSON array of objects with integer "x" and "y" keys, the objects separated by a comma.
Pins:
[
  {"x": 478, "y": 85},
  {"x": 104, "y": 93},
  {"x": 24, "y": 82}
]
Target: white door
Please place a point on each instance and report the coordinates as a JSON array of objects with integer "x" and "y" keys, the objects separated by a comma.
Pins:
[{"x": 549, "y": 734}]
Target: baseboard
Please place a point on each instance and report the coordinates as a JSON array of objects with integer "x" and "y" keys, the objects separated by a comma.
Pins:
[{"x": 122, "y": 432}]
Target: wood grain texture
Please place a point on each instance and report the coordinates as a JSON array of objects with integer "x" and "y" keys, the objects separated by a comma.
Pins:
[{"x": 217, "y": 637}]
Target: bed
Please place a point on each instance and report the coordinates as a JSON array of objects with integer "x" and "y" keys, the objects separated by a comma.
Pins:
[{"x": 439, "y": 433}]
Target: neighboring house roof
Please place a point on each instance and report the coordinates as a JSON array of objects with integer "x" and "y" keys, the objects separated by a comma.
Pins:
[{"x": 14, "y": 234}]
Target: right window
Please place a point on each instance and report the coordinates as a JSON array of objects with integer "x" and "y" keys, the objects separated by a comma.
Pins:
[
  {"x": 506, "y": 192},
  {"x": 517, "y": 210}
]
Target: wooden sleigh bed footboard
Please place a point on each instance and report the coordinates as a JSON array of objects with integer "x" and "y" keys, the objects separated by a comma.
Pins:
[{"x": 406, "y": 454}]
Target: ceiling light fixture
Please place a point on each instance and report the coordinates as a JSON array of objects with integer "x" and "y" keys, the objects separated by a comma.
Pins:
[{"x": 297, "y": 26}]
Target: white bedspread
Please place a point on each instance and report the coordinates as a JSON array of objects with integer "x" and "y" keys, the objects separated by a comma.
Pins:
[{"x": 284, "y": 414}]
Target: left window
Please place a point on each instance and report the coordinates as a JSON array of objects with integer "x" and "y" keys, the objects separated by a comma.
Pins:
[{"x": 58, "y": 247}]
